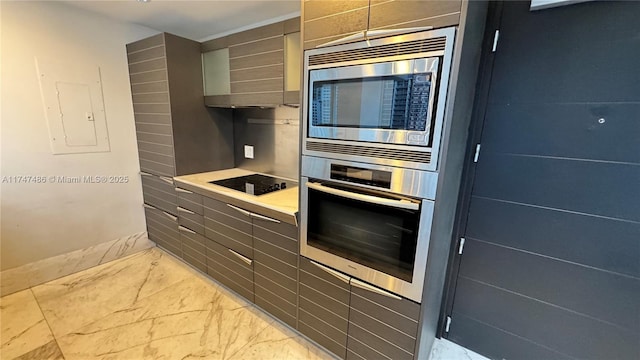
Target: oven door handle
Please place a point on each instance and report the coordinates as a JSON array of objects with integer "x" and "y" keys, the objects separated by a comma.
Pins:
[{"x": 403, "y": 204}]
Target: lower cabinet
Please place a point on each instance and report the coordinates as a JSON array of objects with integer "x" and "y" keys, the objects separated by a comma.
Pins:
[
  {"x": 324, "y": 306},
  {"x": 352, "y": 319},
  {"x": 275, "y": 251},
  {"x": 162, "y": 228},
  {"x": 381, "y": 325},
  {"x": 230, "y": 268}
]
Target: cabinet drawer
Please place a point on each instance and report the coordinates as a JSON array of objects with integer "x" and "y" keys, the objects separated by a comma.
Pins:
[
  {"x": 191, "y": 220},
  {"x": 193, "y": 249},
  {"x": 162, "y": 228},
  {"x": 228, "y": 227},
  {"x": 230, "y": 269},
  {"x": 159, "y": 192},
  {"x": 280, "y": 234},
  {"x": 190, "y": 200},
  {"x": 385, "y": 324},
  {"x": 323, "y": 307},
  {"x": 270, "y": 299}
]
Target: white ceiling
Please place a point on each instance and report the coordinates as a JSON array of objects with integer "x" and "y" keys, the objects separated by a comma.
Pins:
[{"x": 196, "y": 20}]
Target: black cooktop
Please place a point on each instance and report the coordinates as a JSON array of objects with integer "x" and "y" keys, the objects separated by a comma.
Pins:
[{"x": 255, "y": 184}]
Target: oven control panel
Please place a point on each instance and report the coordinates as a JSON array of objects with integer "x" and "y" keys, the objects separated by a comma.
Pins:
[{"x": 362, "y": 176}]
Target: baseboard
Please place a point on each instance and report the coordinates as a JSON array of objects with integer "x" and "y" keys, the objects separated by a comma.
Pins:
[{"x": 42, "y": 271}]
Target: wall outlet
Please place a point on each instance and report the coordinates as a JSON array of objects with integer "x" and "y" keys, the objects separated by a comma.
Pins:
[{"x": 248, "y": 152}]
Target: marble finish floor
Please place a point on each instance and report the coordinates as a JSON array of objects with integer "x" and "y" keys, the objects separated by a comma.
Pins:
[
  {"x": 145, "y": 306},
  {"x": 150, "y": 305}
]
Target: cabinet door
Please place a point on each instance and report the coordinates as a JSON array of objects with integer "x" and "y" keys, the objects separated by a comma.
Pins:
[
  {"x": 275, "y": 249},
  {"x": 152, "y": 111},
  {"x": 256, "y": 63},
  {"x": 159, "y": 191},
  {"x": 381, "y": 325},
  {"x": 399, "y": 14},
  {"x": 324, "y": 306},
  {"x": 193, "y": 248},
  {"x": 162, "y": 228},
  {"x": 228, "y": 226},
  {"x": 328, "y": 20},
  {"x": 230, "y": 268},
  {"x": 293, "y": 68}
]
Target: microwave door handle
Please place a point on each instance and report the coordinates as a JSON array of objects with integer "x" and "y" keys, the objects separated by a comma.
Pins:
[{"x": 402, "y": 204}]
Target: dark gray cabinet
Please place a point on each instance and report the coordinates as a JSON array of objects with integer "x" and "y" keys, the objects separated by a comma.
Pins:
[
  {"x": 256, "y": 67},
  {"x": 162, "y": 228},
  {"x": 275, "y": 251},
  {"x": 353, "y": 319},
  {"x": 324, "y": 306},
  {"x": 381, "y": 325},
  {"x": 176, "y": 133},
  {"x": 328, "y": 20}
]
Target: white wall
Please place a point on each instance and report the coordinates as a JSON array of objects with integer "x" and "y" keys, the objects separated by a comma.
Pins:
[{"x": 44, "y": 220}]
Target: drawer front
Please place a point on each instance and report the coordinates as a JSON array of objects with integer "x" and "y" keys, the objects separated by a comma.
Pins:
[
  {"x": 193, "y": 249},
  {"x": 323, "y": 307},
  {"x": 228, "y": 227},
  {"x": 229, "y": 269},
  {"x": 382, "y": 324},
  {"x": 159, "y": 192},
  {"x": 190, "y": 200},
  {"x": 191, "y": 220},
  {"x": 163, "y": 230}
]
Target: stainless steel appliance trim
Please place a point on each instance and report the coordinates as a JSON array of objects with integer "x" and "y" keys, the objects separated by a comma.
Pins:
[
  {"x": 182, "y": 228},
  {"x": 357, "y": 36},
  {"x": 409, "y": 182},
  {"x": 241, "y": 257},
  {"x": 392, "y": 32},
  {"x": 342, "y": 277},
  {"x": 181, "y": 209},
  {"x": 403, "y": 67},
  {"x": 243, "y": 212},
  {"x": 448, "y": 33},
  {"x": 261, "y": 217},
  {"x": 411, "y": 290},
  {"x": 403, "y": 204},
  {"x": 183, "y": 191},
  {"x": 365, "y": 286}
]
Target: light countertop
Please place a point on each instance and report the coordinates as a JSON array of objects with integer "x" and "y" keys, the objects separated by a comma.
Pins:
[{"x": 281, "y": 205}]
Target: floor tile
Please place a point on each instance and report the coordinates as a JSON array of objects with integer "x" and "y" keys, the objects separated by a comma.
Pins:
[
  {"x": 74, "y": 301},
  {"x": 23, "y": 325},
  {"x": 152, "y": 306},
  {"x": 49, "y": 351}
]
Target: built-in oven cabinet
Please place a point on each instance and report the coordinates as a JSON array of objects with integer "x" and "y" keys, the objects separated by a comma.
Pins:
[
  {"x": 353, "y": 319},
  {"x": 381, "y": 325},
  {"x": 328, "y": 20}
]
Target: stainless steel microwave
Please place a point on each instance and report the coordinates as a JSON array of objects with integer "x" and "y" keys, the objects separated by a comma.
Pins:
[{"x": 379, "y": 101}]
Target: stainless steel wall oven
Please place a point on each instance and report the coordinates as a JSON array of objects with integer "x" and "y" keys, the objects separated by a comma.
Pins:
[{"x": 370, "y": 221}]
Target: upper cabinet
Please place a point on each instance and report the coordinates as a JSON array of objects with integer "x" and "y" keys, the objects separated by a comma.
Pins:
[
  {"x": 328, "y": 20},
  {"x": 257, "y": 67}
]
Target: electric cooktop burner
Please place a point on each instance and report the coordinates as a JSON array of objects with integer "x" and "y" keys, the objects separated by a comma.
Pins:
[{"x": 255, "y": 184}]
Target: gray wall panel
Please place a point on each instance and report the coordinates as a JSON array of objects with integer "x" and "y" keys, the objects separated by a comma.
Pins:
[
  {"x": 605, "y": 189},
  {"x": 560, "y": 330},
  {"x": 603, "y": 295}
]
